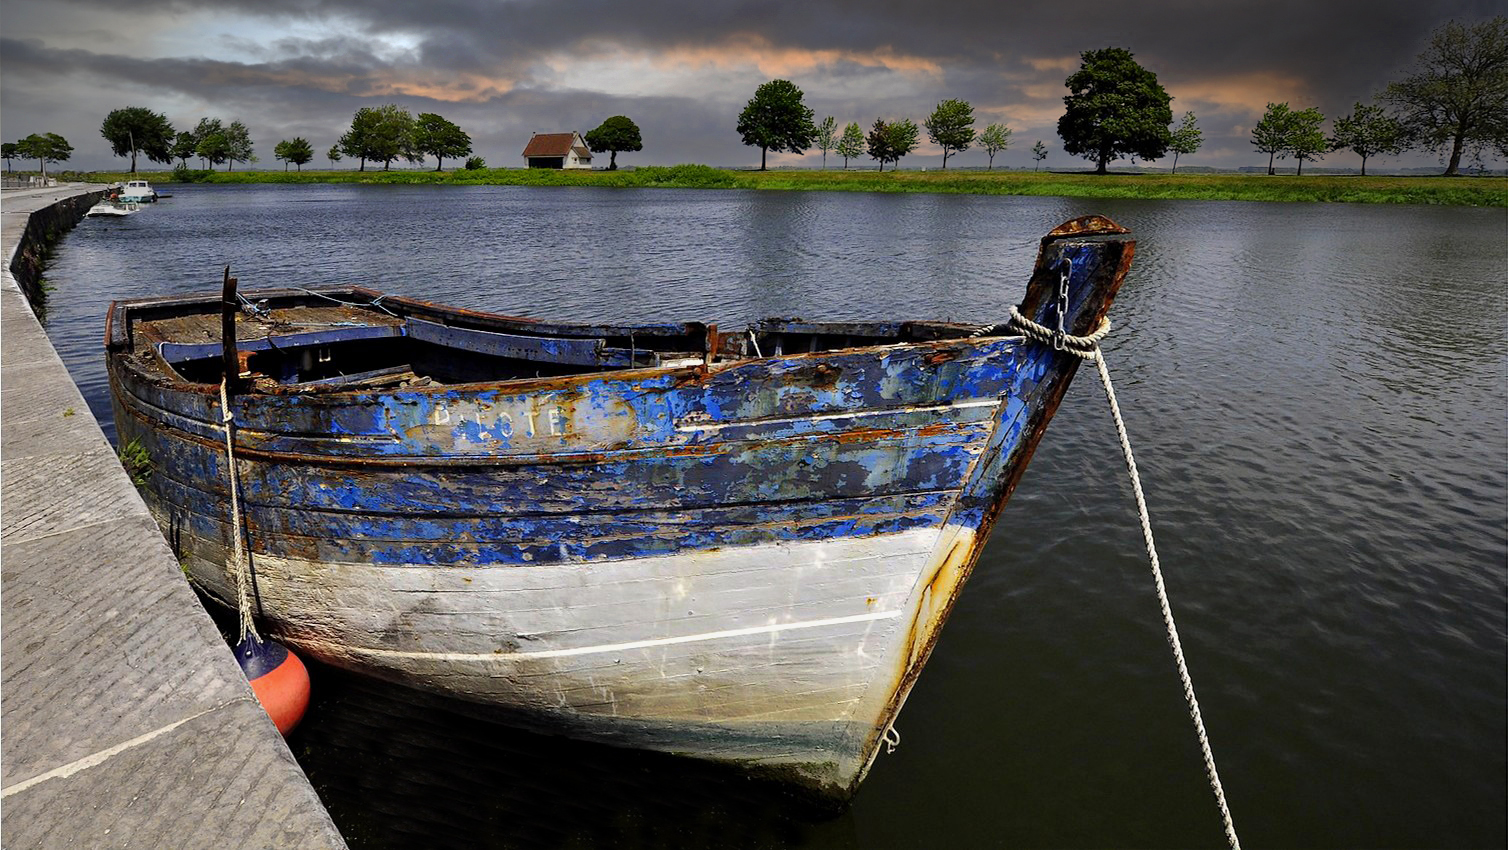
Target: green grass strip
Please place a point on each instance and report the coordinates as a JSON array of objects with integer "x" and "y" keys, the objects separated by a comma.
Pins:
[{"x": 1440, "y": 191}]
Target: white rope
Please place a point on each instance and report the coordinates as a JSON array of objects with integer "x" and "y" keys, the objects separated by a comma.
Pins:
[
  {"x": 1087, "y": 347},
  {"x": 1083, "y": 346},
  {"x": 242, "y": 558},
  {"x": 1167, "y": 610}
]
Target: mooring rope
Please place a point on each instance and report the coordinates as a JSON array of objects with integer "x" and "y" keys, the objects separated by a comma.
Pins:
[
  {"x": 1088, "y": 348},
  {"x": 242, "y": 558},
  {"x": 375, "y": 302}
]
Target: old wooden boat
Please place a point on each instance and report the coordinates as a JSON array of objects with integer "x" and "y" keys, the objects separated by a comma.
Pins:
[{"x": 738, "y": 547}]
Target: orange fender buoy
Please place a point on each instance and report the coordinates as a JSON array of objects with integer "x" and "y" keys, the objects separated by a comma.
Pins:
[{"x": 278, "y": 678}]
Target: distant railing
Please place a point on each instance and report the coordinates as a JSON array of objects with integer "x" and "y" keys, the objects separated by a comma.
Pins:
[{"x": 27, "y": 181}]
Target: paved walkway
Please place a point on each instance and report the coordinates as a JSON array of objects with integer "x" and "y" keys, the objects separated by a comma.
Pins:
[{"x": 124, "y": 720}]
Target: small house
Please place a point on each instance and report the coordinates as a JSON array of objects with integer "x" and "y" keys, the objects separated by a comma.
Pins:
[{"x": 557, "y": 150}]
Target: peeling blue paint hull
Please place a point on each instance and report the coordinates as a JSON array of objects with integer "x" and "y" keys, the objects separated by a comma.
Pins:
[{"x": 738, "y": 547}]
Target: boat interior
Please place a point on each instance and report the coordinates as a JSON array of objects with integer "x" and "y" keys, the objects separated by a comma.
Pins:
[{"x": 353, "y": 338}]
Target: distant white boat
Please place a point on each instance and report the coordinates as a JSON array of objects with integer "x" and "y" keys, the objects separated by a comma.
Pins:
[
  {"x": 138, "y": 191},
  {"x": 113, "y": 208}
]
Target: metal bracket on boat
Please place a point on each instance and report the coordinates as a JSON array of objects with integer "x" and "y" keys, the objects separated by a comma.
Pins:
[{"x": 257, "y": 310}]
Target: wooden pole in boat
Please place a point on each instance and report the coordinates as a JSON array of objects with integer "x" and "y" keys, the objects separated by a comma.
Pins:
[
  {"x": 710, "y": 353},
  {"x": 228, "y": 310},
  {"x": 277, "y": 676}
]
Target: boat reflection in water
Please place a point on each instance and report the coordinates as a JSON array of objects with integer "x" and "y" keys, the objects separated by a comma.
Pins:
[{"x": 401, "y": 768}]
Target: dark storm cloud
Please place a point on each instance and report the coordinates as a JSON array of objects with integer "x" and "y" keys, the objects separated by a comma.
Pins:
[
  {"x": 1337, "y": 44},
  {"x": 315, "y": 98},
  {"x": 351, "y": 72},
  {"x": 498, "y": 65}
]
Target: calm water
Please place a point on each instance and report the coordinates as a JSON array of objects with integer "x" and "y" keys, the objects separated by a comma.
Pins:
[{"x": 1317, "y": 395}]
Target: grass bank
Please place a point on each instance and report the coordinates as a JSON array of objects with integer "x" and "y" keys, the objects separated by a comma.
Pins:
[{"x": 1450, "y": 191}]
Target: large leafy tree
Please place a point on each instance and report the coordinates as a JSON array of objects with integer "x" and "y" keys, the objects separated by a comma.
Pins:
[
  {"x": 1273, "y": 135},
  {"x": 300, "y": 152},
  {"x": 1186, "y": 139},
  {"x": 889, "y": 141},
  {"x": 296, "y": 150},
  {"x": 380, "y": 134},
  {"x": 904, "y": 134},
  {"x": 136, "y": 128},
  {"x": 951, "y": 127},
  {"x": 238, "y": 147},
  {"x": 1457, "y": 97},
  {"x": 827, "y": 137},
  {"x": 442, "y": 139},
  {"x": 183, "y": 147},
  {"x": 878, "y": 142},
  {"x": 45, "y": 148},
  {"x": 1367, "y": 131},
  {"x": 616, "y": 134},
  {"x": 777, "y": 119},
  {"x": 1308, "y": 143},
  {"x": 994, "y": 139},
  {"x": 214, "y": 148},
  {"x": 206, "y": 128},
  {"x": 851, "y": 144},
  {"x": 9, "y": 151},
  {"x": 1115, "y": 108}
]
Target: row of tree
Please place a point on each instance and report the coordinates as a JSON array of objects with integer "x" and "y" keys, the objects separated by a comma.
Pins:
[
  {"x": 137, "y": 130},
  {"x": 380, "y": 134},
  {"x": 1456, "y": 100},
  {"x": 777, "y": 118},
  {"x": 377, "y": 134},
  {"x": 42, "y": 147},
  {"x": 1367, "y": 131},
  {"x": 385, "y": 133},
  {"x": 1097, "y": 124}
]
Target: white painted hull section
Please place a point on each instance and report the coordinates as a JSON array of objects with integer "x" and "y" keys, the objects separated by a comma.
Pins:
[{"x": 787, "y": 655}]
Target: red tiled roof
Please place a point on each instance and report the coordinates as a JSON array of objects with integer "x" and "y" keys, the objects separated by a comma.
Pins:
[{"x": 550, "y": 144}]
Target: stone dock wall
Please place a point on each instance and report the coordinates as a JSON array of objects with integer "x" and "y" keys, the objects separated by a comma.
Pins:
[
  {"x": 125, "y": 721},
  {"x": 44, "y": 227}
]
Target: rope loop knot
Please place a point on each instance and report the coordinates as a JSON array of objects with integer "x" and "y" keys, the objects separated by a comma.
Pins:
[{"x": 1086, "y": 347}]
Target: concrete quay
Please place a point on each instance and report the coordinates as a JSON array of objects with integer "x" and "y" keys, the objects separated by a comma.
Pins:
[{"x": 124, "y": 719}]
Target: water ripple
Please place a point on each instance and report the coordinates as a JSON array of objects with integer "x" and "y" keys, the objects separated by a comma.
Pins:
[{"x": 1317, "y": 396}]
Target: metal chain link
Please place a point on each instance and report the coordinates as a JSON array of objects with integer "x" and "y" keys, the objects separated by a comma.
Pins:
[{"x": 1061, "y": 335}]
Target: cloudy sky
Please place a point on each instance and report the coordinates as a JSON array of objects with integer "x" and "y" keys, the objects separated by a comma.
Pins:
[{"x": 503, "y": 69}]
